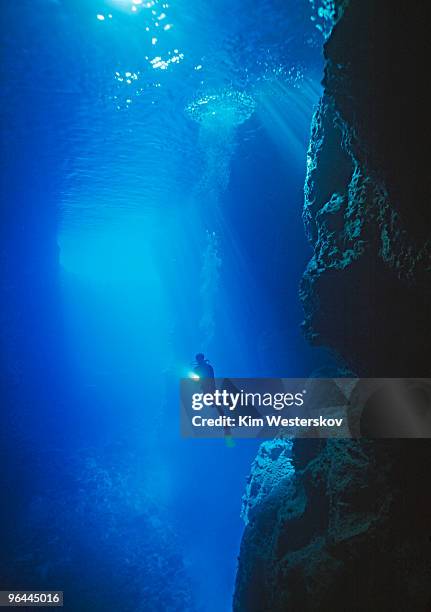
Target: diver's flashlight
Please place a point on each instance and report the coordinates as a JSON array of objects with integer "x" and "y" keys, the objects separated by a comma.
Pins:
[{"x": 193, "y": 376}]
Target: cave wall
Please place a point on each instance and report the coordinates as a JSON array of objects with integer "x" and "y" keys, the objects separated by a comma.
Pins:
[
  {"x": 32, "y": 354},
  {"x": 350, "y": 528},
  {"x": 32, "y": 156},
  {"x": 367, "y": 193}
]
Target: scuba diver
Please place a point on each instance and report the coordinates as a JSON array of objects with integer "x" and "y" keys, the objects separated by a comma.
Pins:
[{"x": 205, "y": 372}]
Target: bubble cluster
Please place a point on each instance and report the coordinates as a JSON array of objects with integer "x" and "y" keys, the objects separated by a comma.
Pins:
[{"x": 230, "y": 108}]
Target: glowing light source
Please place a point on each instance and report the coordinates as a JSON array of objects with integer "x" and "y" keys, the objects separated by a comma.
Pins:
[
  {"x": 194, "y": 376},
  {"x": 100, "y": 17}
]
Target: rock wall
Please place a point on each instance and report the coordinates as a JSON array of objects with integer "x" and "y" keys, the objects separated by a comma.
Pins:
[
  {"x": 348, "y": 531},
  {"x": 350, "y": 528},
  {"x": 367, "y": 291}
]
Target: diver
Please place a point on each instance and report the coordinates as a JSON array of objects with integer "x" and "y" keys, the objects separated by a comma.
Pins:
[{"x": 204, "y": 370}]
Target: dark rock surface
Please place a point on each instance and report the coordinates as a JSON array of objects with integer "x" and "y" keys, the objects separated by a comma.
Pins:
[
  {"x": 367, "y": 193},
  {"x": 349, "y": 531},
  {"x": 351, "y": 528}
]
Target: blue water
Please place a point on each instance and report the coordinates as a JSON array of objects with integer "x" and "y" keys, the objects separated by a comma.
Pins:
[{"x": 175, "y": 135}]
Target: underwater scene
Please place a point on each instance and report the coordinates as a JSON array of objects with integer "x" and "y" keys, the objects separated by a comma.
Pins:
[{"x": 154, "y": 155}]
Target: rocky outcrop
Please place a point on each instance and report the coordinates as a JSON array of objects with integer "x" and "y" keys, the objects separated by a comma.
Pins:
[
  {"x": 350, "y": 528},
  {"x": 367, "y": 291},
  {"x": 272, "y": 466},
  {"x": 349, "y": 531}
]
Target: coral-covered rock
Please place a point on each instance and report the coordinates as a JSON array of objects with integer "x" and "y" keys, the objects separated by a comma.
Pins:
[{"x": 272, "y": 465}]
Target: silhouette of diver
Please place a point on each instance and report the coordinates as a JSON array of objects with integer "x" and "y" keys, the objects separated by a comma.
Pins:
[{"x": 205, "y": 371}]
